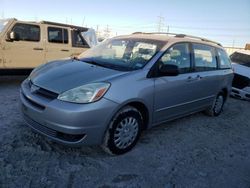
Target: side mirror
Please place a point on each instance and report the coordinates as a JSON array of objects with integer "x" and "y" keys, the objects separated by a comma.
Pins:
[
  {"x": 12, "y": 36},
  {"x": 168, "y": 70}
]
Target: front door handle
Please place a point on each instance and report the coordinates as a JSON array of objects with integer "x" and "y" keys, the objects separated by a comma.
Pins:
[
  {"x": 38, "y": 49},
  {"x": 199, "y": 77},
  {"x": 64, "y": 50},
  {"x": 191, "y": 79}
]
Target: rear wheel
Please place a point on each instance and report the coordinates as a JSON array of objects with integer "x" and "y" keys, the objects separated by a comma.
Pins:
[
  {"x": 217, "y": 107},
  {"x": 124, "y": 131}
]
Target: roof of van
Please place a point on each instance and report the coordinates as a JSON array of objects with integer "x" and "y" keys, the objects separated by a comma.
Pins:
[
  {"x": 54, "y": 23},
  {"x": 64, "y": 25},
  {"x": 173, "y": 37}
]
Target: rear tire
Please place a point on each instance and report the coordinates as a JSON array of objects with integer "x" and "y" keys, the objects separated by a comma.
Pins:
[
  {"x": 217, "y": 107},
  {"x": 123, "y": 132}
]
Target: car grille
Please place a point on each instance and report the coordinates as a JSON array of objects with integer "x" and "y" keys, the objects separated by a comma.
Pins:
[
  {"x": 38, "y": 106},
  {"x": 53, "y": 133},
  {"x": 43, "y": 92},
  {"x": 39, "y": 127}
]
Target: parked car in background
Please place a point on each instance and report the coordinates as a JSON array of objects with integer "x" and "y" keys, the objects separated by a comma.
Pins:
[
  {"x": 241, "y": 82},
  {"x": 25, "y": 45},
  {"x": 124, "y": 85}
]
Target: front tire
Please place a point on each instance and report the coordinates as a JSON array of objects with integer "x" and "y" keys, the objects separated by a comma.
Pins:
[
  {"x": 217, "y": 106},
  {"x": 124, "y": 131}
]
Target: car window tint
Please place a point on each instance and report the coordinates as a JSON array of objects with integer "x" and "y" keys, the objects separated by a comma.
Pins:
[
  {"x": 65, "y": 36},
  {"x": 178, "y": 55},
  {"x": 77, "y": 39},
  {"x": 204, "y": 57},
  {"x": 224, "y": 59},
  {"x": 57, "y": 35},
  {"x": 27, "y": 32}
]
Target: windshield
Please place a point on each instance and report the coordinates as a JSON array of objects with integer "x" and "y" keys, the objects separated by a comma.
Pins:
[
  {"x": 123, "y": 54},
  {"x": 90, "y": 37},
  {"x": 240, "y": 58},
  {"x": 3, "y": 23}
]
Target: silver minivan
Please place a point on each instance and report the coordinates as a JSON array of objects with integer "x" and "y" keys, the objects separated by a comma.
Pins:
[{"x": 112, "y": 92}]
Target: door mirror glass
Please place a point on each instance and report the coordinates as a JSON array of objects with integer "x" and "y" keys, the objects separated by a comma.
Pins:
[
  {"x": 168, "y": 70},
  {"x": 12, "y": 35}
]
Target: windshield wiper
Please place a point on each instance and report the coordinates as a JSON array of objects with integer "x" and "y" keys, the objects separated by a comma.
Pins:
[
  {"x": 118, "y": 67},
  {"x": 104, "y": 64},
  {"x": 91, "y": 61}
]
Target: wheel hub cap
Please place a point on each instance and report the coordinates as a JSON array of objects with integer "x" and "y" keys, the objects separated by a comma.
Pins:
[{"x": 126, "y": 132}]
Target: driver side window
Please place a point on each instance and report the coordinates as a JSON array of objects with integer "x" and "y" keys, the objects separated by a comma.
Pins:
[{"x": 178, "y": 55}]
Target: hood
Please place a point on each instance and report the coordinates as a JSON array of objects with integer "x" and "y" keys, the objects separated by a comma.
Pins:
[{"x": 60, "y": 76}]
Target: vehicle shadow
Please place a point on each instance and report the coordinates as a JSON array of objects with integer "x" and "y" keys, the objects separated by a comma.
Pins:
[{"x": 12, "y": 80}]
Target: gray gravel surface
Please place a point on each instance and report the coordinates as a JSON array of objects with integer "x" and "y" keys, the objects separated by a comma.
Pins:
[{"x": 195, "y": 151}]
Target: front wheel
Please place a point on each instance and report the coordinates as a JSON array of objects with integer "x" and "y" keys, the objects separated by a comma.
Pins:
[
  {"x": 217, "y": 107},
  {"x": 124, "y": 131}
]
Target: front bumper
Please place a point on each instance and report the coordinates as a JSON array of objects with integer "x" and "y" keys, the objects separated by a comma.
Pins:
[
  {"x": 241, "y": 93},
  {"x": 67, "y": 123}
]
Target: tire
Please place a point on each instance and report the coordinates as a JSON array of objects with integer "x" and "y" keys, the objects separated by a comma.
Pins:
[
  {"x": 123, "y": 132},
  {"x": 217, "y": 107}
]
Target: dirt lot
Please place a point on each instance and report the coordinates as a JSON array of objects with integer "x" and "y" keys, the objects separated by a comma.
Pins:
[{"x": 196, "y": 151}]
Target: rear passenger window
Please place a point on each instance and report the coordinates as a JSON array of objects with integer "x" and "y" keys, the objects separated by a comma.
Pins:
[
  {"x": 58, "y": 35},
  {"x": 178, "y": 55},
  {"x": 224, "y": 59},
  {"x": 204, "y": 57},
  {"x": 27, "y": 32}
]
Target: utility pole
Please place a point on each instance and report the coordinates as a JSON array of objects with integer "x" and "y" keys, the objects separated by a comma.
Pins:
[
  {"x": 160, "y": 23},
  {"x": 107, "y": 32},
  {"x": 83, "y": 21},
  {"x": 2, "y": 16},
  {"x": 97, "y": 31}
]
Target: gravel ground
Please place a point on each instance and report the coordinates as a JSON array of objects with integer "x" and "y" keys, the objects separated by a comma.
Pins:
[{"x": 195, "y": 151}]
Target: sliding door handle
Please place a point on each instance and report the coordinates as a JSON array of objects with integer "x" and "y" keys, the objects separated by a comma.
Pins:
[
  {"x": 38, "y": 49},
  {"x": 64, "y": 50}
]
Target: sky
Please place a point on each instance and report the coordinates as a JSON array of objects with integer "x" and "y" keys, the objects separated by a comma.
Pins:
[{"x": 225, "y": 21}]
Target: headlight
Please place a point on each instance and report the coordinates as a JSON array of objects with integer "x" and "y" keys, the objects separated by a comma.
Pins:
[{"x": 85, "y": 94}]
